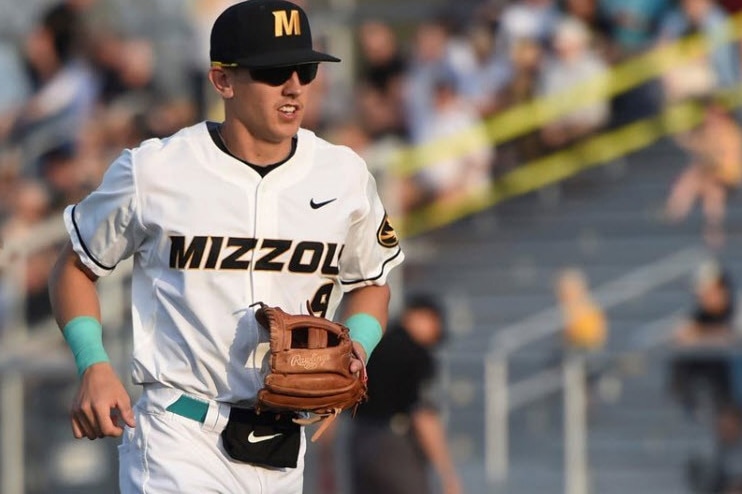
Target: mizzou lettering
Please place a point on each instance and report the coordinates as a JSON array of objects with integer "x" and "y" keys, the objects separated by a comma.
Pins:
[
  {"x": 236, "y": 253},
  {"x": 284, "y": 25}
]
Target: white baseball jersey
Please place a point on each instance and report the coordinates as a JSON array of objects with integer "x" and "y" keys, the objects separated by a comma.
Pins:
[{"x": 210, "y": 237}]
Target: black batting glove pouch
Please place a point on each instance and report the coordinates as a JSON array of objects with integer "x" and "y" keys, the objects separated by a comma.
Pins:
[{"x": 265, "y": 439}]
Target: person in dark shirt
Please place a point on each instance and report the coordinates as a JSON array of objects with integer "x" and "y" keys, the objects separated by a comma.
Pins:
[
  {"x": 705, "y": 374},
  {"x": 702, "y": 341},
  {"x": 712, "y": 319},
  {"x": 397, "y": 434}
]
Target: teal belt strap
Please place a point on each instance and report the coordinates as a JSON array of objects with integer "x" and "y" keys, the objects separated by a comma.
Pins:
[{"x": 191, "y": 408}]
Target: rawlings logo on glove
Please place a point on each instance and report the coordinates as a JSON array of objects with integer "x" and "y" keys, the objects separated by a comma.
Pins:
[
  {"x": 309, "y": 367},
  {"x": 311, "y": 362}
]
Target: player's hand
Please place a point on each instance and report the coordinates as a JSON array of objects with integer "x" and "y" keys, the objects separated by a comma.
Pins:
[
  {"x": 101, "y": 404},
  {"x": 355, "y": 364}
]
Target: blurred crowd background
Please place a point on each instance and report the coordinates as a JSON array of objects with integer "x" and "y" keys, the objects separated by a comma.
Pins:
[{"x": 455, "y": 105}]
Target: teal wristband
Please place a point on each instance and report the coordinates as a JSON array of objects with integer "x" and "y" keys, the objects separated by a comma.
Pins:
[
  {"x": 84, "y": 335},
  {"x": 366, "y": 330}
]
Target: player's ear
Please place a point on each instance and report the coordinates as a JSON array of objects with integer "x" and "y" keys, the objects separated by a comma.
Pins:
[{"x": 222, "y": 82}]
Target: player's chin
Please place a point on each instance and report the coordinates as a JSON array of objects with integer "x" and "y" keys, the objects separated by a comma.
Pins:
[{"x": 286, "y": 130}]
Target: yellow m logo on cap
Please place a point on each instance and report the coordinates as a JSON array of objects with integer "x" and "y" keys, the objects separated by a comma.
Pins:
[{"x": 285, "y": 26}]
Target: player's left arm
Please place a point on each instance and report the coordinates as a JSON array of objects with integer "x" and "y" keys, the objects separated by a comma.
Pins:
[
  {"x": 366, "y": 313},
  {"x": 371, "y": 251}
]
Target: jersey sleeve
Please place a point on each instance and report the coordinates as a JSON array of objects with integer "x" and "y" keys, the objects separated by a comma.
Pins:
[
  {"x": 372, "y": 247},
  {"x": 103, "y": 227}
]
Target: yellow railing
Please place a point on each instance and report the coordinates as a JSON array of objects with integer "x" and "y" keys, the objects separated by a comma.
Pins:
[{"x": 532, "y": 115}]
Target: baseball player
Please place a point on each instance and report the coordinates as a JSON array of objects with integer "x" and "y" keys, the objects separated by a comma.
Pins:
[{"x": 217, "y": 218}]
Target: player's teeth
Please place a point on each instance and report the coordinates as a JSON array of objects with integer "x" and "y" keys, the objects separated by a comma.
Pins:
[{"x": 288, "y": 109}]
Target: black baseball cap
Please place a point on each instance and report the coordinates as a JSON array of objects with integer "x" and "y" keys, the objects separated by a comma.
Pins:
[{"x": 263, "y": 33}]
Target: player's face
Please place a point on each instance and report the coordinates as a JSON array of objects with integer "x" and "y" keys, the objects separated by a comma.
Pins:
[{"x": 270, "y": 103}]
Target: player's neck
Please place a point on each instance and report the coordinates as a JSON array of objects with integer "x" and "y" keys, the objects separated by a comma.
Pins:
[{"x": 247, "y": 147}]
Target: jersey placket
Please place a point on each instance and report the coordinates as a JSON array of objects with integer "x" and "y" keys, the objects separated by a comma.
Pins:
[{"x": 264, "y": 226}]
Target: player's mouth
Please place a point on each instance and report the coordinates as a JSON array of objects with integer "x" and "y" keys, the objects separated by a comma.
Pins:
[{"x": 289, "y": 111}]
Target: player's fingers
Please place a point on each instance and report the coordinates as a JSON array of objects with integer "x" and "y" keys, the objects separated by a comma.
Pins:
[
  {"x": 91, "y": 414},
  {"x": 77, "y": 429},
  {"x": 356, "y": 365},
  {"x": 107, "y": 424},
  {"x": 359, "y": 356},
  {"x": 127, "y": 413},
  {"x": 86, "y": 426}
]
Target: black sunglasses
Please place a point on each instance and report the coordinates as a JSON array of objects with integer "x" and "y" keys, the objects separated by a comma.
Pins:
[{"x": 275, "y": 76}]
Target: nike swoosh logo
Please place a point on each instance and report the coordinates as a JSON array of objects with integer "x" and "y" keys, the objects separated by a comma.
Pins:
[
  {"x": 317, "y": 205},
  {"x": 252, "y": 438}
]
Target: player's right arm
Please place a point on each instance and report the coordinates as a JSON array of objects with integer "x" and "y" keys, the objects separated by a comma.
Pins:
[{"x": 76, "y": 308}]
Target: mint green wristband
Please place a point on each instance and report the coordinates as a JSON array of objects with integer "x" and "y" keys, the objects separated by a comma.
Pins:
[
  {"x": 366, "y": 330},
  {"x": 84, "y": 335}
]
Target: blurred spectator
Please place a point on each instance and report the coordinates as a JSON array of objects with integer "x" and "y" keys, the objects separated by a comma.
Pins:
[
  {"x": 705, "y": 378},
  {"x": 702, "y": 376},
  {"x": 574, "y": 63},
  {"x": 132, "y": 98},
  {"x": 397, "y": 434},
  {"x": 9, "y": 176},
  {"x": 38, "y": 267},
  {"x": 712, "y": 319},
  {"x": 526, "y": 57},
  {"x": 29, "y": 206},
  {"x": 532, "y": 19},
  {"x": 63, "y": 176},
  {"x": 585, "y": 326},
  {"x": 633, "y": 24},
  {"x": 431, "y": 56},
  {"x": 588, "y": 12},
  {"x": 584, "y": 331},
  {"x": 633, "y": 27},
  {"x": 15, "y": 87},
  {"x": 126, "y": 68},
  {"x": 490, "y": 72},
  {"x": 467, "y": 158},
  {"x": 65, "y": 87},
  {"x": 381, "y": 80},
  {"x": 693, "y": 78},
  {"x": 708, "y": 19},
  {"x": 714, "y": 171},
  {"x": 381, "y": 58}
]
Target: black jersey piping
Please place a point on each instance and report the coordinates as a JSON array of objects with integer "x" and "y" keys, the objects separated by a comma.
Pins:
[
  {"x": 82, "y": 243},
  {"x": 383, "y": 267}
]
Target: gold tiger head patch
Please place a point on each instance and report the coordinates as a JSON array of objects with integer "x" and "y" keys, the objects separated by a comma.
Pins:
[{"x": 386, "y": 235}]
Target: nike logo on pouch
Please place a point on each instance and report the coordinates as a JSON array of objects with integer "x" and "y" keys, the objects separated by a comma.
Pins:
[
  {"x": 317, "y": 205},
  {"x": 252, "y": 438}
]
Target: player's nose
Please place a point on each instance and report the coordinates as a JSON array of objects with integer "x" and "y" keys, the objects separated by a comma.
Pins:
[{"x": 292, "y": 87}]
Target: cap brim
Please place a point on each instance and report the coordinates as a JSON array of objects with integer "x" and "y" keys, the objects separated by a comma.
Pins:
[{"x": 285, "y": 58}]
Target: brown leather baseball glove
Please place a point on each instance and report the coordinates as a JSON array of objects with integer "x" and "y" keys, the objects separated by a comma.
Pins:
[{"x": 309, "y": 368}]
